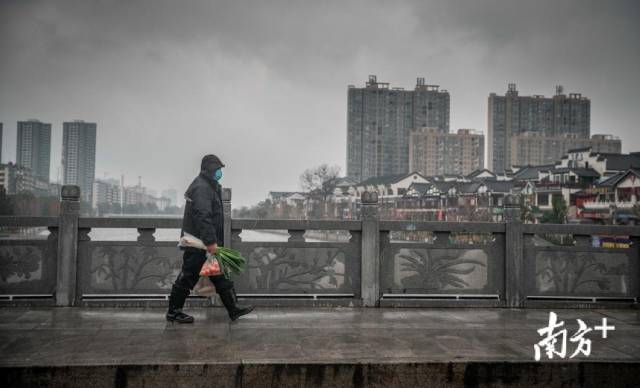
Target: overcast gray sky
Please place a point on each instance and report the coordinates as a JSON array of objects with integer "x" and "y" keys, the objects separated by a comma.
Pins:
[{"x": 263, "y": 84}]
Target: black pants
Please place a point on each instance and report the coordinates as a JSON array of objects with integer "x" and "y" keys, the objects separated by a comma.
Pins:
[{"x": 192, "y": 262}]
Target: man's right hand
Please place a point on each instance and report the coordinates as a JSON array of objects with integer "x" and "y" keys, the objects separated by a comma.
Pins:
[{"x": 212, "y": 249}]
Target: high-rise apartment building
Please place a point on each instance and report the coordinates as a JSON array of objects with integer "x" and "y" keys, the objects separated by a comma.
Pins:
[
  {"x": 379, "y": 121},
  {"x": 432, "y": 152},
  {"x": 535, "y": 149},
  {"x": 15, "y": 179},
  {"x": 512, "y": 114},
  {"x": 33, "y": 148},
  {"x": 106, "y": 191},
  {"x": 1, "y": 135},
  {"x": 608, "y": 144},
  {"x": 79, "y": 156}
]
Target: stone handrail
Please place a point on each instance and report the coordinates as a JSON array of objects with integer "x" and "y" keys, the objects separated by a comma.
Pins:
[{"x": 512, "y": 256}]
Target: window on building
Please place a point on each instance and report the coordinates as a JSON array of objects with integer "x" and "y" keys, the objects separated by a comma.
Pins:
[{"x": 543, "y": 199}]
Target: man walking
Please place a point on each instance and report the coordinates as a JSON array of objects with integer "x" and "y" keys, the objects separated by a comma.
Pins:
[{"x": 203, "y": 218}]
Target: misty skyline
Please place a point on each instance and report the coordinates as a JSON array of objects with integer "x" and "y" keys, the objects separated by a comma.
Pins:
[{"x": 264, "y": 84}]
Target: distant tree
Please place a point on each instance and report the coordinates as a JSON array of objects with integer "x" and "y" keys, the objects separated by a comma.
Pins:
[
  {"x": 240, "y": 212},
  {"x": 558, "y": 213},
  {"x": 26, "y": 203},
  {"x": 320, "y": 181},
  {"x": 264, "y": 209},
  {"x": 6, "y": 204}
]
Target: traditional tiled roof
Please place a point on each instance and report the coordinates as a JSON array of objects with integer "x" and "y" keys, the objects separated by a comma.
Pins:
[
  {"x": 386, "y": 179},
  {"x": 531, "y": 172},
  {"x": 344, "y": 181},
  {"x": 446, "y": 177},
  {"x": 463, "y": 187},
  {"x": 579, "y": 171},
  {"x": 613, "y": 180},
  {"x": 623, "y": 162},
  {"x": 579, "y": 149},
  {"x": 443, "y": 187},
  {"x": 478, "y": 172},
  {"x": 619, "y": 162},
  {"x": 500, "y": 186},
  {"x": 420, "y": 187}
]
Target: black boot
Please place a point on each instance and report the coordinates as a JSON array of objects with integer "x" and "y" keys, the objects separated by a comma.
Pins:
[
  {"x": 176, "y": 301},
  {"x": 229, "y": 300}
]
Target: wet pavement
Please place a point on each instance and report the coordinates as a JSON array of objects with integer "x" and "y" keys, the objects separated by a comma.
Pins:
[{"x": 129, "y": 336}]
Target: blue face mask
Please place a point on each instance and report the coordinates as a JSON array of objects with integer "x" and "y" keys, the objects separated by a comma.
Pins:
[{"x": 218, "y": 174}]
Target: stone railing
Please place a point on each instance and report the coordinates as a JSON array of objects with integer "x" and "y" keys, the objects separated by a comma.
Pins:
[{"x": 373, "y": 263}]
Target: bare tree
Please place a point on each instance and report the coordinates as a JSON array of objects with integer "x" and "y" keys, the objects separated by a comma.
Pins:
[{"x": 320, "y": 181}]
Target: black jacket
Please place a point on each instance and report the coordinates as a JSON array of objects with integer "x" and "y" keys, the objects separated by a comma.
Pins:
[{"x": 203, "y": 215}]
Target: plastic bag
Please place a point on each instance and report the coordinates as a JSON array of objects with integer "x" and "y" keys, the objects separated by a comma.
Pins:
[
  {"x": 204, "y": 287},
  {"x": 211, "y": 267},
  {"x": 188, "y": 240}
]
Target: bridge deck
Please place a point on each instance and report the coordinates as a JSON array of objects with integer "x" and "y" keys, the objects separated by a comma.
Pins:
[{"x": 309, "y": 347}]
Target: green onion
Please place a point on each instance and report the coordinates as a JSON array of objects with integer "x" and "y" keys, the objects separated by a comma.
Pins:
[{"x": 230, "y": 260}]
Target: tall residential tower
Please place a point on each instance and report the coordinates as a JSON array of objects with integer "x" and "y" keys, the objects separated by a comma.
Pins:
[
  {"x": 437, "y": 153},
  {"x": 33, "y": 149},
  {"x": 512, "y": 115},
  {"x": 79, "y": 156},
  {"x": 379, "y": 122}
]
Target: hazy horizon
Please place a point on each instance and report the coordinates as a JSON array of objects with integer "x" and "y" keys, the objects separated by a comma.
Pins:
[{"x": 264, "y": 84}]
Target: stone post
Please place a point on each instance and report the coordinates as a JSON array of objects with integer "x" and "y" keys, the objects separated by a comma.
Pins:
[
  {"x": 226, "y": 210},
  {"x": 67, "y": 245},
  {"x": 370, "y": 260},
  {"x": 514, "y": 253}
]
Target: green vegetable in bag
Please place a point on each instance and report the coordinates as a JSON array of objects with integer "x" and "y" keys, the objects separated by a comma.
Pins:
[{"x": 230, "y": 260}]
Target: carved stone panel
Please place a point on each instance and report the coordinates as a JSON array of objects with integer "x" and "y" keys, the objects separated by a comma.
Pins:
[
  {"x": 298, "y": 270},
  {"x": 27, "y": 268},
  {"x": 436, "y": 271},
  {"x": 130, "y": 269},
  {"x": 565, "y": 273}
]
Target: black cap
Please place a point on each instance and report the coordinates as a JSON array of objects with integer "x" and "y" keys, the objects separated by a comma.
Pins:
[{"x": 210, "y": 163}]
